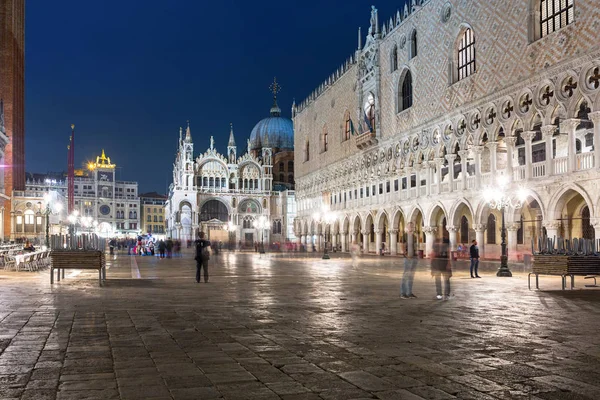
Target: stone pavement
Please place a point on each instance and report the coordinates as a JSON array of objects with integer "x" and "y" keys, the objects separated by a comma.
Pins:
[{"x": 276, "y": 327}]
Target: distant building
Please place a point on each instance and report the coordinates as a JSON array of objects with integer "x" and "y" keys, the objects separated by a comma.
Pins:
[
  {"x": 153, "y": 213},
  {"x": 213, "y": 192},
  {"x": 115, "y": 205}
]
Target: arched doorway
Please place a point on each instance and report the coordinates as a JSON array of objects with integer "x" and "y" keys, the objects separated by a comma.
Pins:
[{"x": 214, "y": 209}]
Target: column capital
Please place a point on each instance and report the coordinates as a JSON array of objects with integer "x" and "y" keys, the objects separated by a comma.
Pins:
[
  {"x": 510, "y": 140},
  {"x": 377, "y": 231},
  {"x": 477, "y": 149},
  {"x": 439, "y": 161},
  {"x": 451, "y": 157},
  {"x": 364, "y": 232},
  {"x": 463, "y": 154},
  {"x": 549, "y": 131},
  {"x": 451, "y": 228},
  {"x": 551, "y": 224},
  {"x": 479, "y": 227},
  {"x": 569, "y": 125},
  {"x": 513, "y": 227},
  {"x": 430, "y": 229},
  {"x": 491, "y": 145},
  {"x": 595, "y": 117},
  {"x": 528, "y": 135},
  {"x": 393, "y": 231},
  {"x": 432, "y": 164}
]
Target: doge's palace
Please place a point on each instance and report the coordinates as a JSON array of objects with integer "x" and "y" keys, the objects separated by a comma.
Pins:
[{"x": 440, "y": 103}]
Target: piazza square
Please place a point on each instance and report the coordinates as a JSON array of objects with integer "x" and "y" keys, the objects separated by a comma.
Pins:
[{"x": 300, "y": 201}]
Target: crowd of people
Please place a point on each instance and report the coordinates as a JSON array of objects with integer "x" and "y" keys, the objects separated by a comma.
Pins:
[{"x": 146, "y": 246}]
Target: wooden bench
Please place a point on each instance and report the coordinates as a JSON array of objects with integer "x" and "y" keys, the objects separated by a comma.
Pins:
[
  {"x": 565, "y": 267},
  {"x": 77, "y": 259}
]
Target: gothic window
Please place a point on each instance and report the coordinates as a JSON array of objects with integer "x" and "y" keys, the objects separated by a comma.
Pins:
[
  {"x": 370, "y": 113},
  {"x": 577, "y": 146},
  {"x": 466, "y": 54},
  {"x": 405, "y": 94},
  {"x": 307, "y": 151},
  {"x": 325, "y": 140},
  {"x": 587, "y": 230},
  {"x": 281, "y": 167},
  {"x": 413, "y": 44},
  {"x": 347, "y": 126},
  {"x": 394, "y": 58},
  {"x": 464, "y": 229},
  {"x": 491, "y": 229},
  {"x": 555, "y": 14},
  {"x": 281, "y": 178}
]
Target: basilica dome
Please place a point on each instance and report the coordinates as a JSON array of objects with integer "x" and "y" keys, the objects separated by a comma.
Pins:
[{"x": 275, "y": 132}]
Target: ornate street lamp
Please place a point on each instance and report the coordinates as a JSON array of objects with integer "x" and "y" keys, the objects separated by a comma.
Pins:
[
  {"x": 261, "y": 224},
  {"x": 52, "y": 207},
  {"x": 499, "y": 198},
  {"x": 327, "y": 217}
]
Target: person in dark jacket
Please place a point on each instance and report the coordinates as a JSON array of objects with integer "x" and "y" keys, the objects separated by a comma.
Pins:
[
  {"x": 441, "y": 268},
  {"x": 474, "y": 253},
  {"x": 202, "y": 257}
]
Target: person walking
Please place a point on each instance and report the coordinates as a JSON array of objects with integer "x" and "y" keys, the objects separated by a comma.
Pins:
[
  {"x": 161, "y": 248},
  {"x": 441, "y": 268},
  {"x": 202, "y": 257},
  {"x": 474, "y": 253},
  {"x": 410, "y": 265}
]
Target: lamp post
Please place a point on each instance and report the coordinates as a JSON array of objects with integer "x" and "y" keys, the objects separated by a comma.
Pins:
[
  {"x": 52, "y": 207},
  {"x": 499, "y": 198},
  {"x": 327, "y": 217},
  {"x": 261, "y": 224}
]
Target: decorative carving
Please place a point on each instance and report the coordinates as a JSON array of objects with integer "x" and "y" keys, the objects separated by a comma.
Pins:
[{"x": 446, "y": 12}]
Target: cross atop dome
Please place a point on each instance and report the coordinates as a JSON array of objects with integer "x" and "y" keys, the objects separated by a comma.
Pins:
[{"x": 275, "y": 88}]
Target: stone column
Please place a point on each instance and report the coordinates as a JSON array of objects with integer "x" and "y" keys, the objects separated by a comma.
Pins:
[
  {"x": 451, "y": 158},
  {"x": 353, "y": 235},
  {"x": 528, "y": 137},
  {"x": 480, "y": 238},
  {"x": 438, "y": 170},
  {"x": 343, "y": 239},
  {"x": 365, "y": 243},
  {"x": 478, "y": 150},
  {"x": 551, "y": 229},
  {"x": 510, "y": 146},
  {"x": 429, "y": 240},
  {"x": 464, "y": 154},
  {"x": 427, "y": 178},
  {"x": 568, "y": 126},
  {"x": 452, "y": 233},
  {"x": 492, "y": 146},
  {"x": 410, "y": 242},
  {"x": 595, "y": 118},
  {"x": 333, "y": 241},
  {"x": 512, "y": 240},
  {"x": 394, "y": 241},
  {"x": 378, "y": 240},
  {"x": 548, "y": 134},
  {"x": 595, "y": 222},
  {"x": 302, "y": 239}
]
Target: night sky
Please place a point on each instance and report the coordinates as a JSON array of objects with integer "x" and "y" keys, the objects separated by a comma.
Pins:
[{"x": 129, "y": 73}]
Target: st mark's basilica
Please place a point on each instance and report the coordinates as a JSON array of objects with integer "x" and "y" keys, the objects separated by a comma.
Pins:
[{"x": 241, "y": 197}]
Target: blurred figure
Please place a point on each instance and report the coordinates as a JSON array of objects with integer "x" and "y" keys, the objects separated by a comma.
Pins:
[
  {"x": 474, "y": 254},
  {"x": 162, "y": 247},
  {"x": 354, "y": 252},
  {"x": 441, "y": 268},
  {"x": 410, "y": 265},
  {"x": 382, "y": 250},
  {"x": 29, "y": 247},
  {"x": 202, "y": 257},
  {"x": 169, "y": 245}
]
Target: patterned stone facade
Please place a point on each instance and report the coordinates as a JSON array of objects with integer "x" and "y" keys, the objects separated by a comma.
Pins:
[{"x": 530, "y": 113}]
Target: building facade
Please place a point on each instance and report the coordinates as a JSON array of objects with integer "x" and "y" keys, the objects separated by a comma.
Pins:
[
  {"x": 4, "y": 198},
  {"x": 153, "y": 213},
  {"x": 401, "y": 142},
  {"x": 241, "y": 199},
  {"x": 12, "y": 97},
  {"x": 113, "y": 205}
]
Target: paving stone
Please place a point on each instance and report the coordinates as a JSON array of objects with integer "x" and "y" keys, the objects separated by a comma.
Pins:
[{"x": 195, "y": 393}]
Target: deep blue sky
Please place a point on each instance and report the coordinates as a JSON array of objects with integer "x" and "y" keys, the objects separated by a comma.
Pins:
[{"x": 129, "y": 73}]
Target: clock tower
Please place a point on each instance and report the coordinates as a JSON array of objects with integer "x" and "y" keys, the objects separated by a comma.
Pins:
[{"x": 103, "y": 174}]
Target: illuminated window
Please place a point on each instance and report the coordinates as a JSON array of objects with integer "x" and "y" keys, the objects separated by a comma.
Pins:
[
  {"x": 555, "y": 14},
  {"x": 29, "y": 220},
  {"x": 19, "y": 219},
  {"x": 466, "y": 54}
]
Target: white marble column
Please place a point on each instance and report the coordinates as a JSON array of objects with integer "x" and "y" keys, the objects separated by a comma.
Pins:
[
  {"x": 429, "y": 240},
  {"x": 478, "y": 150},
  {"x": 512, "y": 241},
  {"x": 510, "y": 146},
  {"x": 464, "y": 154},
  {"x": 451, "y": 158},
  {"x": 428, "y": 177},
  {"x": 568, "y": 126},
  {"x": 595, "y": 118},
  {"x": 548, "y": 134},
  {"x": 480, "y": 238},
  {"x": 393, "y": 245},
  {"x": 365, "y": 243},
  {"x": 528, "y": 137},
  {"x": 438, "y": 171},
  {"x": 452, "y": 230},
  {"x": 410, "y": 242},
  {"x": 343, "y": 239},
  {"x": 378, "y": 240},
  {"x": 353, "y": 238},
  {"x": 551, "y": 229},
  {"x": 492, "y": 146},
  {"x": 333, "y": 241}
]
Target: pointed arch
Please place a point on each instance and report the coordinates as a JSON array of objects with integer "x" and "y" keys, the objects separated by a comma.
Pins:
[{"x": 436, "y": 212}]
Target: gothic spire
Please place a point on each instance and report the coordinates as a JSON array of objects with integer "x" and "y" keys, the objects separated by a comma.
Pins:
[
  {"x": 231, "y": 138},
  {"x": 188, "y": 132}
]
